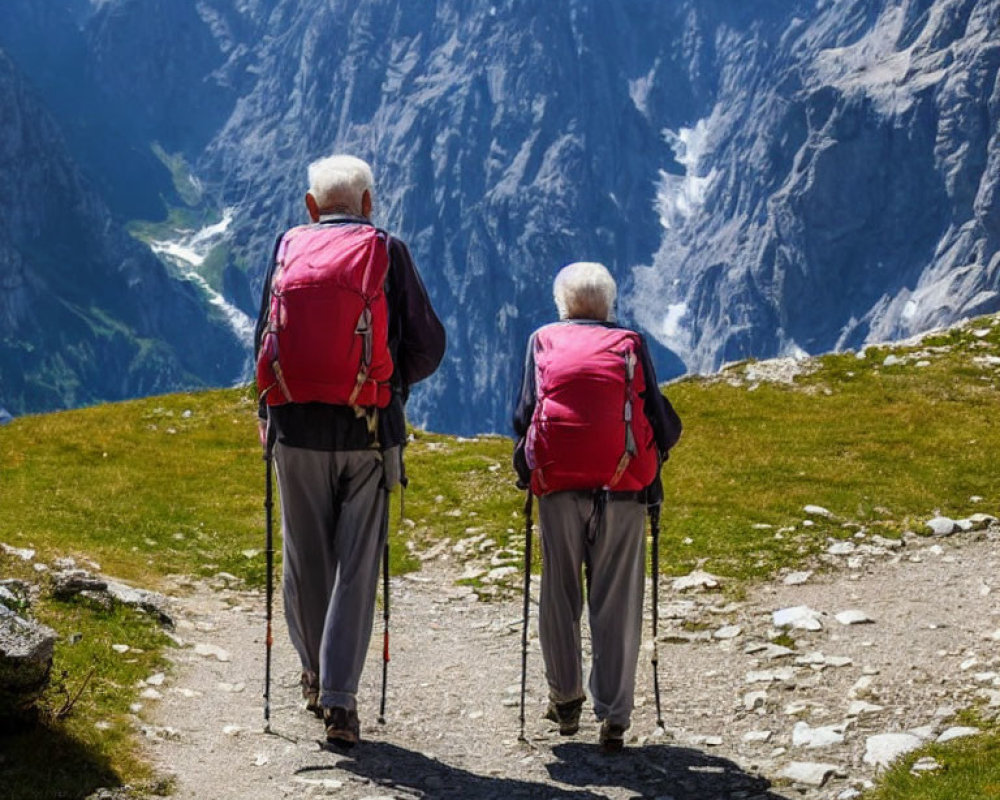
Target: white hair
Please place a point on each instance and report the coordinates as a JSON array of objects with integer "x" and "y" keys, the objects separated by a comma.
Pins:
[
  {"x": 585, "y": 290},
  {"x": 338, "y": 183}
]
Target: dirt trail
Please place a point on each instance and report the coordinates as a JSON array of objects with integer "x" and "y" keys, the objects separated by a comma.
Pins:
[{"x": 737, "y": 712}]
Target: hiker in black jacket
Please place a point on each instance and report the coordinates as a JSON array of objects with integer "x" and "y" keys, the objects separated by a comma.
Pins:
[
  {"x": 337, "y": 462},
  {"x": 593, "y": 430}
]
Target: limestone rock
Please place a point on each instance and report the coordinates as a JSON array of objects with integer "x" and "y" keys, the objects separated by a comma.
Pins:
[
  {"x": 884, "y": 748},
  {"x": 26, "y": 649}
]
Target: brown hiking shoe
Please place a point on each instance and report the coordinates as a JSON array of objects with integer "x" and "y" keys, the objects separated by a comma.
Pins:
[
  {"x": 612, "y": 737},
  {"x": 310, "y": 693},
  {"x": 566, "y": 714},
  {"x": 342, "y": 726}
]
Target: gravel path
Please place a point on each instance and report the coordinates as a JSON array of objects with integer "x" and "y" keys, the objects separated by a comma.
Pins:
[{"x": 739, "y": 710}]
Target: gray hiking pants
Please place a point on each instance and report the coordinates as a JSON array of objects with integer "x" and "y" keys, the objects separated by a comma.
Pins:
[
  {"x": 333, "y": 510},
  {"x": 614, "y": 557}
]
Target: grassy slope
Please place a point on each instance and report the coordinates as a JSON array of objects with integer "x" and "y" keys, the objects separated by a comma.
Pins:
[{"x": 174, "y": 484}]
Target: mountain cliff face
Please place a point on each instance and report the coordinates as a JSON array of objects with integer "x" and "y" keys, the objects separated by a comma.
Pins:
[
  {"x": 86, "y": 312},
  {"x": 851, "y": 197},
  {"x": 763, "y": 177}
]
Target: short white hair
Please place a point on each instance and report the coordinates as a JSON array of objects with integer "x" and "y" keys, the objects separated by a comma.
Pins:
[
  {"x": 585, "y": 290},
  {"x": 339, "y": 182}
]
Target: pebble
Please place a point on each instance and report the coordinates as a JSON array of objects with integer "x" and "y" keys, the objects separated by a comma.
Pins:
[
  {"x": 853, "y": 616},
  {"x": 797, "y": 617},
  {"x": 925, "y": 764},
  {"x": 803, "y": 735},
  {"x": 696, "y": 581},
  {"x": 797, "y": 578},
  {"x": 212, "y": 651},
  {"x": 941, "y": 526},
  {"x": 957, "y": 732}
]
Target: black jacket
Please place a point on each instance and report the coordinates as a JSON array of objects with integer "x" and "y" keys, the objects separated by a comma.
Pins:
[
  {"x": 662, "y": 418},
  {"x": 417, "y": 345}
]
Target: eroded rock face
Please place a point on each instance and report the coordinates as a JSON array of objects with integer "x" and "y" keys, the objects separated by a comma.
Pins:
[{"x": 26, "y": 649}]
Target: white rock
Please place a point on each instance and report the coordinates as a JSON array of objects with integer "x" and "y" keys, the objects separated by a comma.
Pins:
[
  {"x": 809, "y": 773},
  {"x": 991, "y": 696},
  {"x": 797, "y": 578},
  {"x": 260, "y": 759},
  {"x": 841, "y": 548},
  {"x": 696, "y": 581},
  {"x": 817, "y": 511},
  {"x": 803, "y": 735},
  {"x": 156, "y": 680},
  {"x": 500, "y": 573},
  {"x": 884, "y": 748},
  {"x": 862, "y": 688},
  {"x": 775, "y": 651},
  {"x": 23, "y": 553},
  {"x": 892, "y": 361},
  {"x": 120, "y": 648},
  {"x": 212, "y": 651},
  {"x": 941, "y": 526},
  {"x": 728, "y": 632},
  {"x": 860, "y": 708},
  {"x": 853, "y": 616},
  {"x": 231, "y": 687},
  {"x": 957, "y": 733},
  {"x": 925, "y": 732},
  {"x": 849, "y": 794},
  {"x": 798, "y": 617},
  {"x": 925, "y": 764},
  {"x": 232, "y": 730},
  {"x": 754, "y": 700},
  {"x": 150, "y": 694},
  {"x": 771, "y": 675},
  {"x": 751, "y": 737}
]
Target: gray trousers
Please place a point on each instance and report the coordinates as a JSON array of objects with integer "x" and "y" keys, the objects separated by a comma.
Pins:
[
  {"x": 333, "y": 513},
  {"x": 614, "y": 556}
]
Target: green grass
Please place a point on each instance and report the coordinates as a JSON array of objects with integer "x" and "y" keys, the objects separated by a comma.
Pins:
[
  {"x": 969, "y": 769},
  {"x": 174, "y": 485}
]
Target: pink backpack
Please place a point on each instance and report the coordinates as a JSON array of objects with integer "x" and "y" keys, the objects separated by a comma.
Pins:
[
  {"x": 589, "y": 430},
  {"x": 327, "y": 335}
]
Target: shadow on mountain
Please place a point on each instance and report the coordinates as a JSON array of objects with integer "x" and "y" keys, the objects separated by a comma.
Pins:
[
  {"x": 392, "y": 767},
  {"x": 44, "y": 761},
  {"x": 658, "y": 770}
]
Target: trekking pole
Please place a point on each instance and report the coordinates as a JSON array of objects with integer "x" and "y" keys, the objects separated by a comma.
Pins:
[
  {"x": 654, "y": 524},
  {"x": 385, "y": 602},
  {"x": 269, "y": 556},
  {"x": 527, "y": 600}
]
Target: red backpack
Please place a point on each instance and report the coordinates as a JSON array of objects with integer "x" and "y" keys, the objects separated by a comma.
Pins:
[
  {"x": 589, "y": 430},
  {"x": 327, "y": 335}
]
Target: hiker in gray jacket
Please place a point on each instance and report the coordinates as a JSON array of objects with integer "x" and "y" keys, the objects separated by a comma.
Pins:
[
  {"x": 337, "y": 460},
  {"x": 593, "y": 431}
]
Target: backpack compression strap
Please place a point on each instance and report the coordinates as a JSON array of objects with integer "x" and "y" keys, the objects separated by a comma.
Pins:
[{"x": 630, "y": 448}]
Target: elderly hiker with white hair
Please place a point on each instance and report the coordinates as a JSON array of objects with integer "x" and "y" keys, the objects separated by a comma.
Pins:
[
  {"x": 345, "y": 329},
  {"x": 593, "y": 431}
]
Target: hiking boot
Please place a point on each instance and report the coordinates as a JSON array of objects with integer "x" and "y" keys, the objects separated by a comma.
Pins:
[
  {"x": 566, "y": 714},
  {"x": 342, "y": 726},
  {"x": 612, "y": 737},
  {"x": 310, "y": 693}
]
